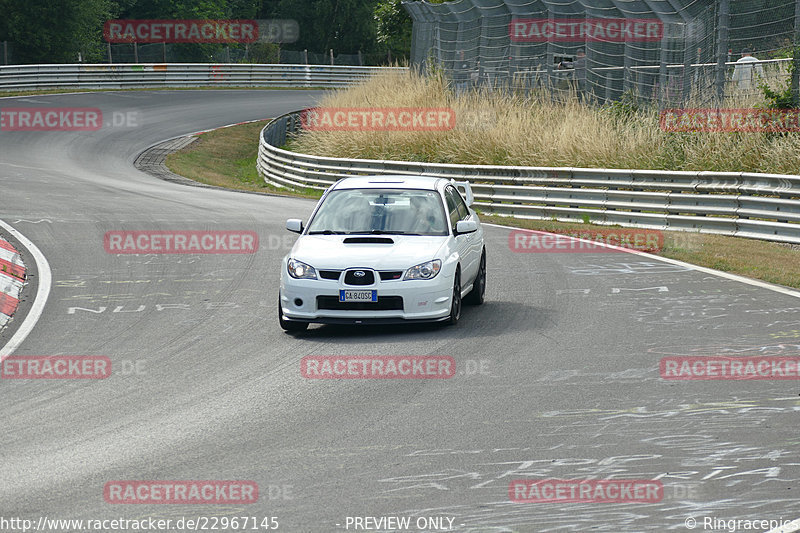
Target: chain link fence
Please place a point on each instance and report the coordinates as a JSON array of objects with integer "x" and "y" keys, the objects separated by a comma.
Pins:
[{"x": 670, "y": 50}]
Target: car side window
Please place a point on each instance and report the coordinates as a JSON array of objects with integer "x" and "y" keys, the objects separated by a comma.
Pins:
[
  {"x": 460, "y": 205},
  {"x": 463, "y": 210},
  {"x": 452, "y": 206}
]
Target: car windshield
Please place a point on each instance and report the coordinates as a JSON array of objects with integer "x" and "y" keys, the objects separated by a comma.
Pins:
[{"x": 380, "y": 211}]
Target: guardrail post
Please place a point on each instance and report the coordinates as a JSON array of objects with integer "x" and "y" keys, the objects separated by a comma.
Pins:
[{"x": 736, "y": 216}]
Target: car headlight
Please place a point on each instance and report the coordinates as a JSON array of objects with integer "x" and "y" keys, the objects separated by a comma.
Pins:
[
  {"x": 299, "y": 270},
  {"x": 425, "y": 270}
]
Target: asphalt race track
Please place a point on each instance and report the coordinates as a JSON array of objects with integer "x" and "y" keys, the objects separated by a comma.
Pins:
[{"x": 557, "y": 374}]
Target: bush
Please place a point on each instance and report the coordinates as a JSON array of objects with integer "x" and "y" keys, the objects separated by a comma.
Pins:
[
  {"x": 782, "y": 97},
  {"x": 264, "y": 53}
]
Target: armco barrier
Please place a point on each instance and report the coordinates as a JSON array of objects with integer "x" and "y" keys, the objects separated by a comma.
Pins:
[
  {"x": 146, "y": 76},
  {"x": 758, "y": 206}
]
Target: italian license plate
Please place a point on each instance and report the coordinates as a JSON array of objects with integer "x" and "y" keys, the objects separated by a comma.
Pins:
[{"x": 358, "y": 296}]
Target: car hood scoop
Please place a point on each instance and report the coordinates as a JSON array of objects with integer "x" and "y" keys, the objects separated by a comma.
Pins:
[{"x": 368, "y": 240}]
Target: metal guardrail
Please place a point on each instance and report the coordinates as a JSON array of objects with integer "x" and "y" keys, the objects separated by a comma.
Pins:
[
  {"x": 758, "y": 206},
  {"x": 146, "y": 76}
]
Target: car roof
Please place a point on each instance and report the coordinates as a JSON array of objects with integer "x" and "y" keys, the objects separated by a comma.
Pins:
[{"x": 389, "y": 182}]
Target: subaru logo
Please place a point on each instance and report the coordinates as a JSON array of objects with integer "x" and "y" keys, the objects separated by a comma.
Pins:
[{"x": 359, "y": 273}]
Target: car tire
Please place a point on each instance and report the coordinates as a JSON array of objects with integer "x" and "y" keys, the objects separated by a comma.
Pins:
[
  {"x": 455, "y": 302},
  {"x": 287, "y": 325},
  {"x": 476, "y": 295}
]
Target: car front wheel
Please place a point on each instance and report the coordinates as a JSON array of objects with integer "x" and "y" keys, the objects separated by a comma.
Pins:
[
  {"x": 455, "y": 304},
  {"x": 476, "y": 295}
]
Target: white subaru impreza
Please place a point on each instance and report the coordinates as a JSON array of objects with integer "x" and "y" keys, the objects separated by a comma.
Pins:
[{"x": 384, "y": 249}]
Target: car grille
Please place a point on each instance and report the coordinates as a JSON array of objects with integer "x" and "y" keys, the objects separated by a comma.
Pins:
[
  {"x": 385, "y": 275},
  {"x": 350, "y": 277},
  {"x": 330, "y": 274},
  {"x": 384, "y": 303}
]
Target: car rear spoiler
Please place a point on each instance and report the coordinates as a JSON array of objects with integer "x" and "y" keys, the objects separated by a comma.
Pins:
[{"x": 464, "y": 185}]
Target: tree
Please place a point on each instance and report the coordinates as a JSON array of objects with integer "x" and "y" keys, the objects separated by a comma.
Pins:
[
  {"x": 347, "y": 26},
  {"x": 191, "y": 9},
  {"x": 44, "y": 31},
  {"x": 393, "y": 27},
  {"x": 55, "y": 31}
]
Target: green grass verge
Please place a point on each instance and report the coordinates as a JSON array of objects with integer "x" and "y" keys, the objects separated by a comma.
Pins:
[{"x": 227, "y": 158}]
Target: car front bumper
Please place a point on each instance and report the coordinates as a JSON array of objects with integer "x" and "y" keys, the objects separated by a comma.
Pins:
[{"x": 422, "y": 301}]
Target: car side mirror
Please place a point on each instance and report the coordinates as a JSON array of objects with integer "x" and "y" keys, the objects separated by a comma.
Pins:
[
  {"x": 466, "y": 226},
  {"x": 295, "y": 225}
]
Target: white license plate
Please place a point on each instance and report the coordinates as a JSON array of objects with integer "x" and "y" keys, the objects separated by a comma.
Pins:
[{"x": 358, "y": 296}]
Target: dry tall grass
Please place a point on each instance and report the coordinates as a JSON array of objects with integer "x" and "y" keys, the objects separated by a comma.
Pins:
[{"x": 501, "y": 129}]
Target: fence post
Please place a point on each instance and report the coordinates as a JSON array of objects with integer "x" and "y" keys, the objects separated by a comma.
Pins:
[
  {"x": 331, "y": 56},
  {"x": 796, "y": 56},
  {"x": 722, "y": 47},
  {"x": 305, "y": 53},
  {"x": 164, "y": 51},
  {"x": 663, "y": 75},
  {"x": 689, "y": 46},
  {"x": 135, "y": 52},
  {"x": 628, "y": 82},
  {"x": 5, "y": 52},
  {"x": 109, "y": 53}
]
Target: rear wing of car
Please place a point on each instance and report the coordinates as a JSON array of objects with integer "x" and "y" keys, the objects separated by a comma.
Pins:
[{"x": 466, "y": 191}]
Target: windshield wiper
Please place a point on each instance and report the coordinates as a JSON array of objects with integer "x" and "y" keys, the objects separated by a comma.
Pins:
[{"x": 326, "y": 232}]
